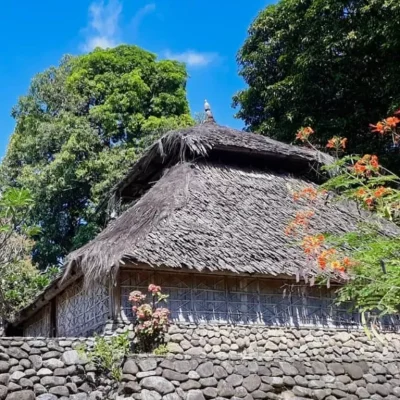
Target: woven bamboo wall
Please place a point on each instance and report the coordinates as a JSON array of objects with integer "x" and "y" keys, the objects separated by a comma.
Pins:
[{"x": 237, "y": 299}]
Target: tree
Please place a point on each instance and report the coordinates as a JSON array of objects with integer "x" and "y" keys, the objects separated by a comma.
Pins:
[
  {"x": 79, "y": 128},
  {"x": 366, "y": 261},
  {"x": 19, "y": 280},
  {"x": 331, "y": 64}
]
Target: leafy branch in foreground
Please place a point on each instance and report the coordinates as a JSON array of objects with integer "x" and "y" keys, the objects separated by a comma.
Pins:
[{"x": 20, "y": 281}]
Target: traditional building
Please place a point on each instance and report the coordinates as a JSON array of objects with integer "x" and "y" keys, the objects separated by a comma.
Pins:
[{"x": 202, "y": 214}]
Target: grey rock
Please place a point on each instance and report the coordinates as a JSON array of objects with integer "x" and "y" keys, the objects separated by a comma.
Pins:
[
  {"x": 25, "y": 383},
  {"x": 190, "y": 384},
  {"x": 53, "y": 363},
  {"x": 79, "y": 396},
  {"x": 47, "y": 396},
  {"x": 61, "y": 372},
  {"x": 3, "y": 392},
  {"x": 39, "y": 389},
  {"x": 16, "y": 376},
  {"x": 225, "y": 389},
  {"x": 44, "y": 372},
  {"x": 51, "y": 354},
  {"x": 25, "y": 363},
  {"x": 319, "y": 368},
  {"x": 171, "y": 396},
  {"x": 336, "y": 368},
  {"x": 174, "y": 376},
  {"x": 343, "y": 378},
  {"x": 251, "y": 382},
  {"x": 16, "y": 352},
  {"x": 182, "y": 366},
  {"x": 72, "y": 357},
  {"x": 195, "y": 351},
  {"x": 241, "y": 392},
  {"x": 50, "y": 381},
  {"x": 30, "y": 372},
  {"x": 382, "y": 390},
  {"x": 371, "y": 388},
  {"x": 206, "y": 369},
  {"x": 132, "y": 387},
  {"x": 4, "y": 379},
  {"x": 150, "y": 395},
  {"x": 220, "y": 372},
  {"x": 354, "y": 371},
  {"x": 12, "y": 387},
  {"x": 370, "y": 378},
  {"x": 288, "y": 369},
  {"x": 56, "y": 391},
  {"x": 148, "y": 364},
  {"x": 4, "y": 356},
  {"x": 207, "y": 382},
  {"x": 72, "y": 388},
  {"x": 130, "y": 367},
  {"x": 362, "y": 393},
  {"x": 210, "y": 393},
  {"x": 161, "y": 385},
  {"x": 234, "y": 380},
  {"x": 21, "y": 395},
  {"x": 195, "y": 395},
  {"x": 321, "y": 394},
  {"x": 175, "y": 348},
  {"x": 379, "y": 369},
  {"x": 36, "y": 361},
  {"x": 301, "y": 391},
  {"x": 259, "y": 394},
  {"x": 4, "y": 366},
  {"x": 15, "y": 368},
  {"x": 96, "y": 395},
  {"x": 193, "y": 375},
  {"x": 242, "y": 370},
  {"x": 85, "y": 387}
]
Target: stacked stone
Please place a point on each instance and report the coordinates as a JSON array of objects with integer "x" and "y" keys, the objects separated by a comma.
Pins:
[
  {"x": 45, "y": 369},
  {"x": 194, "y": 378}
]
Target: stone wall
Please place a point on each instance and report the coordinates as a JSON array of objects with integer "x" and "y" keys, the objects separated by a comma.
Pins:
[{"x": 212, "y": 362}]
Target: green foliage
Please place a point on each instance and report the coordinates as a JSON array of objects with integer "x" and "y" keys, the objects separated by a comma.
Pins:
[
  {"x": 330, "y": 64},
  {"x": 20, "y": 282},
  {"x": 79, "y": 128},
  {"x": 108, "y": 354},
  {"x": 161, "y": 350}
]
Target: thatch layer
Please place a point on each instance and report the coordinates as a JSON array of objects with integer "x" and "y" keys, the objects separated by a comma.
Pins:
[
  {"x": 212, "y": 141},
  {"x": 209, "y": 216}
]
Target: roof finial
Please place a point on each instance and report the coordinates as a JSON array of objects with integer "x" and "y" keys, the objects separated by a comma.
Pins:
[{"x": 209, "y": 114}]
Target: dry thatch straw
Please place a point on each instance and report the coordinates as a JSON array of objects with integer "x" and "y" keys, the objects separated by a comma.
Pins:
[{"x": 221, "y": 201}]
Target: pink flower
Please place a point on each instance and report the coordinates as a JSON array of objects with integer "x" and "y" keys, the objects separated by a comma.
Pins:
[
  {"x": 154, "y": 289},
  {"x": 136, "y": 296}
]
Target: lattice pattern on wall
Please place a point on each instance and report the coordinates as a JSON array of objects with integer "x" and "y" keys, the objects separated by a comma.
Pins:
[
  {"x": 215, "y": 298},
  {"x": 39, "y": 324},
  {"x": 81, "y": 311}
]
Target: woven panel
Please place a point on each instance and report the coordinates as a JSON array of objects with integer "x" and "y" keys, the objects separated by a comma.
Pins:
[
  {"x": 236, "y": 299},
  {"x": 82, "y": 311},
  {"x": 39, "y": 324}
]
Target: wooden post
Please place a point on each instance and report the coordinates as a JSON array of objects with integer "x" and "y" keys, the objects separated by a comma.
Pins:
[{"x": 115, "y": 298}]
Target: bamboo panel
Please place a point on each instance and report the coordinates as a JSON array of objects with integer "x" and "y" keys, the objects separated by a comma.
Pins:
[{"x": 39, "y": 324}]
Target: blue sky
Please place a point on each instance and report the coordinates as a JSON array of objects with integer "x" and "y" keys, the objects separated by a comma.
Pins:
[{"x": 205, "y": 35}]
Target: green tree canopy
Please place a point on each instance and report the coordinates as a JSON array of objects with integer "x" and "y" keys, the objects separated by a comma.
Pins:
[
  {"x": 79, "y": 128},
  {"x": 329, "y": 64}
]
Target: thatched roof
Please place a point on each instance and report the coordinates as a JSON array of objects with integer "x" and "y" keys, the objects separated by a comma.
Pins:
[{"x": 212, "y": 198}]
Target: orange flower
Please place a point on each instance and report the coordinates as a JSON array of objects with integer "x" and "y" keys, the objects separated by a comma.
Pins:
[
  {"x": 374, "y": 162},
  {"x": 379, "y": 127},
  {"x": 361, "y": 192},
  {"x": 324, "y": 257},
  {"x": 392, "y": 122},
  {"x": 311, "y": 244},
  {"x": 359, "y": 168},
  {"x": 369, "y": 202},
  {"x": 347, "y": 262},
  {"x": 337, "y": 265},
  {"x": 304, "y": 133},
  {"x": 381, "y": 191},
  {"x": 308, "y": 193},
  {"x": 337, "y": 143},
  {"x": 301, "y": 219}
]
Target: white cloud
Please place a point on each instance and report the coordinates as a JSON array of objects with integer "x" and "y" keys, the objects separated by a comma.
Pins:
[
  {"x": 137, "y": 19},
  {"x": 193, "y": 58},
  {"x": 103, "y": 28}
]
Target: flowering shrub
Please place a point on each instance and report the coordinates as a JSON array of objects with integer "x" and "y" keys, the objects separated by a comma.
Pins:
[
  {"x": 366, "y": 261},
  {"x": 151, "y": 320}
]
